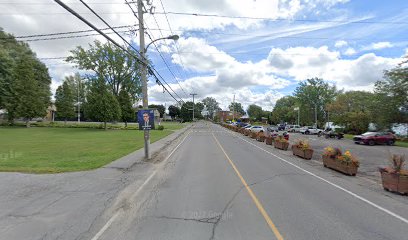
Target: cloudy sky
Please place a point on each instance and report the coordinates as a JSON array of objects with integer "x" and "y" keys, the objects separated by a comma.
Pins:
[{"x": 258, "y": 50}]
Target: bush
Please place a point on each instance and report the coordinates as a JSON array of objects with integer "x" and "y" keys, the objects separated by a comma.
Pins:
[{"x": 161, "y": 127}]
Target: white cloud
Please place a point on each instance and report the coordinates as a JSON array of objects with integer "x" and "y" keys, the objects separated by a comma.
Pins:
[
  {"x": 321, "y": 62},
  {"x": 378, "y": 46},
  {"x": 340, "y": 43},
  {"x": 350, "y": 51}
]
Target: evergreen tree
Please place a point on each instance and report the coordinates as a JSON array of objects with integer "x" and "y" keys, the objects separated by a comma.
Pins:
[
  {"x": 64, "y": 101},
  {"x": 101, "y": 104},
  {"x": 126, "y": 108}
]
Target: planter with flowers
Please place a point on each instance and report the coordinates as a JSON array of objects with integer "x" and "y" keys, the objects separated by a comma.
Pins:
[
  {"x": 269, "y": 140},
  {"x": 246, "y": 132},
  {"x": 260, "y": 137},
  {"x": 302, "y": 149},
  {"x": 395, "y": 178},
  {"x": 345, "y": 163},
  {"x": 253, "y": 135},
  {"x": 281, "y": 143}
]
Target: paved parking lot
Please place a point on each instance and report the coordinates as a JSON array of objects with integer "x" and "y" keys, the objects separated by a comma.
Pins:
[{"x": 370, "y": 157}]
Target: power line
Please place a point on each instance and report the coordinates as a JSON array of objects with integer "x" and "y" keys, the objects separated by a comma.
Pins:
[
  {"x": 175, "y": 78},
  {"x": 72, "y": 32},
  {"x": 134, "y": 14},
  {"x": 175, "y": 44},
  {"x": 115, "y": 43},
  {"x": 64, "y": 37},
  {"x": 278, "y": 19}
]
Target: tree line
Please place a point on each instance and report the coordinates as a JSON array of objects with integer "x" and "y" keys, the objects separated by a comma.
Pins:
[{"x": 355, "y": 110}]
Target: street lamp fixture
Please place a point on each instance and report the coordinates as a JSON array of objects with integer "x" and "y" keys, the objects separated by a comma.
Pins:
[{"x": 172, "y": 37}]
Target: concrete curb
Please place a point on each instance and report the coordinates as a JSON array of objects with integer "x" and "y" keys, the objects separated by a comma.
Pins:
[{"x": 137, "y": 157}]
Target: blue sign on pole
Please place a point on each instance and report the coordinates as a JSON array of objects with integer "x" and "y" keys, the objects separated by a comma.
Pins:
[{"x": 145, "y": 118}]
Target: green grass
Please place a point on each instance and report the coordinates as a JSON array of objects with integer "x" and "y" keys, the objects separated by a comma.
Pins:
[
  {"x": 397, "y": 143},
  {"x": 401, "y": 144},
  {"x": 52, "y": 150},
  {"x": 116, "y": 126}
]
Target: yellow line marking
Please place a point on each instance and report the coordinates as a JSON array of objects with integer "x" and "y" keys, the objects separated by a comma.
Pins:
[{"x": 252, "y": 194}]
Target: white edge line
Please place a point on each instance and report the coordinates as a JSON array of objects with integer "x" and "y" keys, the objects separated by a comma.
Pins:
[
  {"x": 327, "y": 181},
  {"x": 112, "y": 219}
]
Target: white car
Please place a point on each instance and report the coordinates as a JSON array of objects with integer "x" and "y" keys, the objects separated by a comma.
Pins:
[
  {"x": 257, "y": 129},
  {"x": 310, "y": 130},
  {"x": 294, "y": 128}
]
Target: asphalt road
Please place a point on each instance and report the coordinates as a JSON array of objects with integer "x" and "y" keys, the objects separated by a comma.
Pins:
[{"x": 218, "y": 184}]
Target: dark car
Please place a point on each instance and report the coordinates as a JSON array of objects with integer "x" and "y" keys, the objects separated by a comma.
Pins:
[
  {"x": 274, "y": 132},
  {"x": 281, "y": 127},
  {"x": 331, "y": 133},
  {"x": 372, "y": 138}
]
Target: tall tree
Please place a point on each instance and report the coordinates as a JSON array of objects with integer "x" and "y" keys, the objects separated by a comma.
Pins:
[
  {"x": 159, "y": 108},
  {"x": 212, "y": 105},
  {"x": 65, "y": 101},
  {"x": 117, "y": 68},
  {"x": 101, "y": 104},
  {"x": 313, "y": 95},
  {"x": 392, "y": 96},
  {"x": 126, "y": 106},
  {"x": 255, "y": 112},
  {"x": 186, "y": 111},
  {"x": 174, "y": 111},
  {"x": 32, "y": 89},
  {"x": 24, "y": 80},
  {"x": 78, "y": 86},
  {"x": 353, "y": 109},
  {"x": 237, "y": 107},
  {"x": 283, "y": 110},
  {"x": 198, "y": 108}
]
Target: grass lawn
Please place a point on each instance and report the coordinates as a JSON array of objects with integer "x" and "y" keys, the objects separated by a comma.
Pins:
[
  {"x": 397, "y": 143},
  {"x": 52, "y": 150}
]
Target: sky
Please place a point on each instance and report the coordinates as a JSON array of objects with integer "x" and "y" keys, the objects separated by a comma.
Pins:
[{"x": 257, "y": 50}]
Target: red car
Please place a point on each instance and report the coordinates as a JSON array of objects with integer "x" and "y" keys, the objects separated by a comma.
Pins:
[{"x": 372, "y": 138}]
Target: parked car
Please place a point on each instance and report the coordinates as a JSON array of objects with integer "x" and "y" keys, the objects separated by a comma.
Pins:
[
  {"x": 248, "y": 126},
  {"x": 293, "y": 128},
  {"x": 332, "y": 133},
  {"x": 310, "y": 130},
  {"x": 257, "y": 129},
  {"x": 372, "y": 138},
  {"x": 242, "y": 124},
  {"x": 281, "y": 127},
  {"x": 273, "y": 131}
]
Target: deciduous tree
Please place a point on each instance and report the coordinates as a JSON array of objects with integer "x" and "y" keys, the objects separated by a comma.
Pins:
[
  {"x": 101, "y": 104},
  {"x": 237, "y": 107},
  {"x": 65, "y": 101}
]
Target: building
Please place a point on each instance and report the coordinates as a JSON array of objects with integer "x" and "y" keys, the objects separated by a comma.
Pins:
[{"x": 227, "y": 115}]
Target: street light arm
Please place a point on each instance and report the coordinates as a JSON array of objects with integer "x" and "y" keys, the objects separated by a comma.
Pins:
[{"x": 172, "y": 37}]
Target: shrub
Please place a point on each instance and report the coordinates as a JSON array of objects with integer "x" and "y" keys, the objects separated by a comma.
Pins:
[{"x": 161, "y": 127}]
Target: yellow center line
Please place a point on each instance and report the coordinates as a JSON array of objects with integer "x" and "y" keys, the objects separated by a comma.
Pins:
[{"x": 252, "y": 194}]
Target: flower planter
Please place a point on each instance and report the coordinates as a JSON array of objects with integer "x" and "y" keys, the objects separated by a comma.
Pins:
[
  {"x": 269, "y": 140},
  {"x": 260, "y": 137},
  {"x": 303, "y": 153},
  {"x": 253, "y": 135},
  {"x": 394, "y": 182},
  {"x": 281, "y": 145},
  {"x": 246, "y": 132},
  {"x": 333, "y": 163}
]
